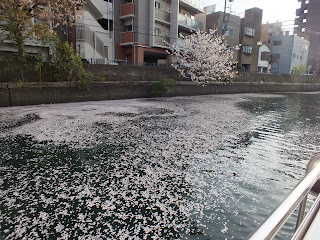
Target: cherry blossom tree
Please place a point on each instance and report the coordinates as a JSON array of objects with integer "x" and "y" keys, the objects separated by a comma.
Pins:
[
  {"x": 27, "y": 19},
  {"x": 204, "y": 57}
]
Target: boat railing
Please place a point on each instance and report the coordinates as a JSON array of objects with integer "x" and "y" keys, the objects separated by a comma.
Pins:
[{"x": 309, "y": 184}]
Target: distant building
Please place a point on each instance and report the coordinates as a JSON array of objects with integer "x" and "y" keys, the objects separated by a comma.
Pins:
[
  {"x": 288, "y": 52},
  {"x": 269, "y": 30},
  {"x": 144, "y": 27},
  {"x": 94, "y": 31},
  {"x": 264, "y": 63},
  {"x": 231, "y": 28},
  {"x": 31, "y": 45},
  {"x": 308, "y": 26},
  {"x": 210, "y": 9},
  {"x": 250, "y": 34}
]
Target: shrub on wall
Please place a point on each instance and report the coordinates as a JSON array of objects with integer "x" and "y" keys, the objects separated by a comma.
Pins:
[
  {"x": 163, "y": 87},
  {"x": 68, "y": 66}
]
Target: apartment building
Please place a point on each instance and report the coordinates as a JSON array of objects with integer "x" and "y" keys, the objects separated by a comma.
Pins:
[
  {"x": 144, "y": 27},
  {"x": 94, "y": 32},
  {"x": 288, "y": 52},
  {"x": 229, "y": 25},
  {"x": 307, "y": 26},
  {"x": 250, "y": 33}
]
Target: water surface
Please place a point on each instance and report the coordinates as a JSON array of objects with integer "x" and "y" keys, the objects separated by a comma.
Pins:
[{"x": 204, "y": 167}]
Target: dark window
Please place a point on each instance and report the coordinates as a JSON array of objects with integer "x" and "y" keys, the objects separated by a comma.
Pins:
[
  {"x": 103, "y": 23},
  {"x": 157, "y": 5},
  {"x": 275, "y": 58},
  {"x": 265, "y": 56},
  {"x": 106, "y": 24},
  {"x": 277, "y": 43}
]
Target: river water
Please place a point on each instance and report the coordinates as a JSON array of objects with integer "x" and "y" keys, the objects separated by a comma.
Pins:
[{"x": 203, "y": 167}]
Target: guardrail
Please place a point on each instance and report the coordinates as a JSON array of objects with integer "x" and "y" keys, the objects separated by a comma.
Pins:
[{"x": 269, "y": 228}]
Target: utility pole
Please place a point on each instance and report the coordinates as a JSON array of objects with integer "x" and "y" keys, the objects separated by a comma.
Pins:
[
  {"x": 225, "y": 21},
  {"x": 224, "y": 29},
  {"x": 73, "y": 30}
]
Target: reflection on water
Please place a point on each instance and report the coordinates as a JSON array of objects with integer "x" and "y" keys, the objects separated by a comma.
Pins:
[{"x": 205, "y": 167}]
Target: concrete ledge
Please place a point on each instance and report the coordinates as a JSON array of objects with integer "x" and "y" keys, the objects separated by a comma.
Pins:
[
  {"x": 12, "y": 94},
  {"x": 4, "y": 95}
]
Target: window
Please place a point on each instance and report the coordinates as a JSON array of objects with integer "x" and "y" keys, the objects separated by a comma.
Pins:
[
  {"x": 129, "y": 28},
  {"x": 157, "y": 5},
  {"x": 247, "y": 49},
  {"x": 157, "y": 31},
  {"x": 277, "y": 43},
  {"x": 249, "y": 31},
  {"x": 105, "y": 51},
  {"x": 265, "y": 56},
  {"x": 275, "y": 58},
  {"x": 227, "y": 28}
]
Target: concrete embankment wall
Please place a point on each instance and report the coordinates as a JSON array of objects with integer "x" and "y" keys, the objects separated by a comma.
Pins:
[
  {"x": 123, "y": 82},
  {"x": 11, "y": 94}
]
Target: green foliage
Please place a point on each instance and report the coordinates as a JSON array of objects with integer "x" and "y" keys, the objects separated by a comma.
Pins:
[
  {"x": 163, "y": 87},
  {"x": 19, "y": 66},
  {"x": 299, "y": 70},
  {"x": 68, "y": 66}
]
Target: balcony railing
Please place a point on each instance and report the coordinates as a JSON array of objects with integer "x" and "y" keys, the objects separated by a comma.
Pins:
[
  {"x": 162, "y": 15},
  {"x": 85, "y": 34},
  {"x": 195, "y": 3},
  {"x": 186, "y": 21},
  {"x": 127, "y": 9},
  {"x": 162, "y": 41},
  {"x": 127, "y": 37}
]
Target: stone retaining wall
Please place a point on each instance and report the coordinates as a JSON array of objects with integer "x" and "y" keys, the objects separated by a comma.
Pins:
[{"x": 11, "y": 94}]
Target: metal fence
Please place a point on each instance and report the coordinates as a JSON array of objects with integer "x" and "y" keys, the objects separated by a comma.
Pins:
[{"x": 120, "y": 62}]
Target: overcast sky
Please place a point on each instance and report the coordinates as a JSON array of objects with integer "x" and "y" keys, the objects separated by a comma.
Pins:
[{"x": 273, "y": 10}]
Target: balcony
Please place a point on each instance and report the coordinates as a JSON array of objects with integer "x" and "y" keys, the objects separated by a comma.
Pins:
[
  {"x": 301, "y": 10},
  {"x": 127, "y": 10},
  {"x": 162, "y": 15},
  {"x": 189, "y": 23},
  {"x": 162, "y": 41},
  {"x": 192, "y": 6},
  {"x": 127, "y": 38}
]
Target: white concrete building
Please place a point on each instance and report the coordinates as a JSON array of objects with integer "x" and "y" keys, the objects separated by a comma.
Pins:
[
  {"x": 94, "y": 32},
  {"x": 31, "y": 45},
  {"x": 288, "y": 52},
  {"x": 264, "y": 64}
]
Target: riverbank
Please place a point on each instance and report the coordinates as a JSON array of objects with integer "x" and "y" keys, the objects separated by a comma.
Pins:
[{"x": 31, "y": 93}]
